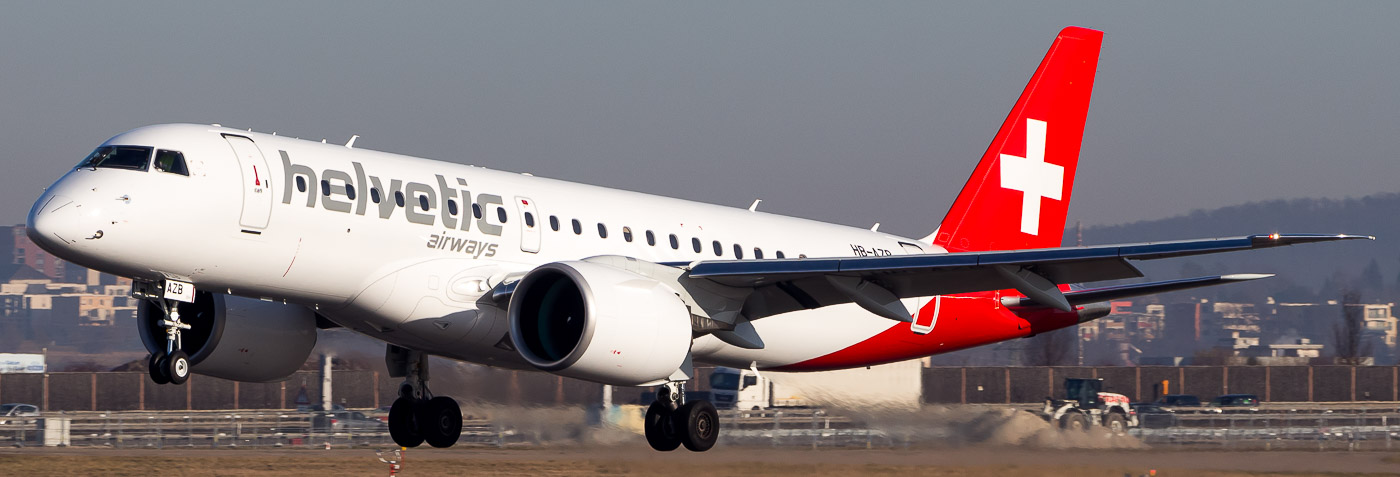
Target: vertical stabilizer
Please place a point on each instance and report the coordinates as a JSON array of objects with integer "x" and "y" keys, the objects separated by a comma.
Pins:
[{"x": 1019, "y": 193}]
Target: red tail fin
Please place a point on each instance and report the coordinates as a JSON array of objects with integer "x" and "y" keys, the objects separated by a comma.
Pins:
[{"x": 1019, "y": 194}]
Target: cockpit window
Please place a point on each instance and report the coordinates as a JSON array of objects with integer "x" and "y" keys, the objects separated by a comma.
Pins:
[
  {"x": 136, "y": 158},
  {"x": 172, "y": 162}
]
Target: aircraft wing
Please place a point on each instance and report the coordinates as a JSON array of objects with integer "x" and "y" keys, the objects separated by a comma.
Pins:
[{"x": 876, "y": 283}]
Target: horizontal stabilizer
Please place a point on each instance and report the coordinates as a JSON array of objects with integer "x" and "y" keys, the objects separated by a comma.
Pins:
[{"x": 1095, "y": 295}]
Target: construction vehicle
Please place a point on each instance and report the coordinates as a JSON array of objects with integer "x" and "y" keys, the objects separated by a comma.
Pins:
[{"x": 1086, "y": 406}]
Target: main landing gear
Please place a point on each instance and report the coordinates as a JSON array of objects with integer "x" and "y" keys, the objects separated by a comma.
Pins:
[
  {"x": 417, "y": 416},
  {"x": 171, "y": 366},
  {"x": 670, "y": 422}
]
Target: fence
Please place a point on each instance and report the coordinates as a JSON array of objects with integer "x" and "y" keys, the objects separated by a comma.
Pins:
[
  {"x": 1314, "y": 429},
  {"x": 219, "y": 429},
  {"x": 1275, "y": 431},
  {"x": 133, "y": 391},
  {"x": 989, "y": 385}
]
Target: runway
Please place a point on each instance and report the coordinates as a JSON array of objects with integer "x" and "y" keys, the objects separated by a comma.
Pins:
[{"x": 748, "y": 461}]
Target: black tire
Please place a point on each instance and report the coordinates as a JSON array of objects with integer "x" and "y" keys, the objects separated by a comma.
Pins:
[
  {"x": 403, "y": 423},
  {"x": 156, "y": 368},
  {"x": 1074, "y": 421},
  {"x": 178, "y": 367},
  {"x": 700, "y": 425},
  {"x": 441, "y": 422},
  {"x": 661, "y": 428},
  {"x": 1116, "y": 424}
]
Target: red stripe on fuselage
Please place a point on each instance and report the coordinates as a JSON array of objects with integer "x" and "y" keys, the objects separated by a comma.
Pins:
[{"x": 964, "y": 321}]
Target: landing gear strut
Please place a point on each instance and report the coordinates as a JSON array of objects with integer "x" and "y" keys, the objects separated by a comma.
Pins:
[
  {"x": 671, "y": 422},
  {"x": 418, "y": 416},
  {"x": 173, "y": 365}
]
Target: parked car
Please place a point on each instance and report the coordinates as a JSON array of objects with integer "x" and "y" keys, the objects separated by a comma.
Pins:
[
  {"x": 1179, "y": 400},
  {"x": 1235, "y": 403},
  {"x": 346, "y": 421},
  {"x": 8, "y": 412}
]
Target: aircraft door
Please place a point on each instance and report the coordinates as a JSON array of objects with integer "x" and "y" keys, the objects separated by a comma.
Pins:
[
  {"x": 924, "y": 320},
  {"x": 256, "y": 185},
  {"x": 529, "y": 225}
]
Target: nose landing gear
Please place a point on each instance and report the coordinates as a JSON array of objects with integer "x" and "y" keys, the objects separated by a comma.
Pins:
[
  {"x": 173, "y": 365},
  {"x": 670, "y": 424}
]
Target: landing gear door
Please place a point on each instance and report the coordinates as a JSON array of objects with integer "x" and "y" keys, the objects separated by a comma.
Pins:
[
  {"x": 529, "y": 225},
  {"x": 256, "y": 184},
  {"x": 924, "y": 320}
]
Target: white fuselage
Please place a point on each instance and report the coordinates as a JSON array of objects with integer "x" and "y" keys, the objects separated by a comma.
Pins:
[{"x": 241, "y": 223}]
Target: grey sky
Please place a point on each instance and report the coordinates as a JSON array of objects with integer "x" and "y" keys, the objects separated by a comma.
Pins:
[{"x": 845, "y": 112}]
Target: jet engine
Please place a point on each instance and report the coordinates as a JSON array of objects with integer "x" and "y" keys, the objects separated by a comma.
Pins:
[
  {"x": 231, "y": 337},
  {"x": 600, "y": 323}
]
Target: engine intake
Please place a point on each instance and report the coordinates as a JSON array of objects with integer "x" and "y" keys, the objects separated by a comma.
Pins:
[
  {"x": 232, "y": 337},
  {"x": 600, "y": 323}
]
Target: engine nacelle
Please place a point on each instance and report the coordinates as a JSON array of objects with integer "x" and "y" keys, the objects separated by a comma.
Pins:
[
  {"x": 231, "y": 337},
  {"x": 600, "y": 323}
]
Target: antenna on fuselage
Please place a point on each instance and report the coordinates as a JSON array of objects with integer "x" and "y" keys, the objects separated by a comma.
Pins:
[
  {"x": 351, "y": 143},
  {"x": 875, "y": 227},
  {"x": 754, "y": 206}
]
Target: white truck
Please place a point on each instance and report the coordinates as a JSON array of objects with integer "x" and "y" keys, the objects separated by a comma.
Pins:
[
  {"x": 743, "y": 389},
  {"x": 894, "y": 385}
]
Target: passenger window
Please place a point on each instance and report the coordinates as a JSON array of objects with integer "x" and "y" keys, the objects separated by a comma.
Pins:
[
  {"x": 501, "y": 214},
  {"x": 325, "y": 187},
  {"x": 675, "y": 244},
  {"x": 373, "y": 194},
  {"x": 578, "y": 228},
  {"x": 134, "y": 158},
  {"x": 554, "y": 223},
  {"x": 780, "y": 254},
  {"x": 651, "y": 238},
  {"x": 695, "y": 244},
  {"x": 301, "y": 183},
  {"x": 398, "y": 198},
  {"x": 719, "y": 249},
  {"x": 349, "y": 191},
  {"x": 627, "y": 234},
  {"x": 738, "y": 252},
  {"x": 602, "y": 230},
  {"x": 423, "y": 202},
  {"x": 758, "y": 253},
  {"x": 451, "y": 207},
  {"x": 529, "y": 220},
  {"x": 476, "y": 210},
  {"x": 172, "y": 162}
]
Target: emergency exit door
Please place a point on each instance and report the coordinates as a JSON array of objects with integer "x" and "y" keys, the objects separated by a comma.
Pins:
[{"x": 529, "y": 225}]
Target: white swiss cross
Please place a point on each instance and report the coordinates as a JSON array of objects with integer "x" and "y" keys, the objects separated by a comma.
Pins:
[{"x": 1031, "y": 175}]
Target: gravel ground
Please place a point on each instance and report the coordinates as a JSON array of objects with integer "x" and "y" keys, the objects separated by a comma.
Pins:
[{"x": 631, "y": 460}]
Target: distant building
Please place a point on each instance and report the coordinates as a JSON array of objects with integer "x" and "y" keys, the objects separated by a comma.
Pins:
[
  {"x": 1302, "y": 348},
  {"x": 26, "y": 252},
  {"x": 1380, "y": 322}
]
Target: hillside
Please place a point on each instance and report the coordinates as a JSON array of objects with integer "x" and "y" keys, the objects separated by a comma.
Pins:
[{"x": 1305, "y": 272}]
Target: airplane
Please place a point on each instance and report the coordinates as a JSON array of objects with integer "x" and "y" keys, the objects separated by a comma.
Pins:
[{"x": 242, "y": 245}]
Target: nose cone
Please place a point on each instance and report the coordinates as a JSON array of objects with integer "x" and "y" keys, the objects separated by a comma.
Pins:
[{"x": 53, "y": 224}]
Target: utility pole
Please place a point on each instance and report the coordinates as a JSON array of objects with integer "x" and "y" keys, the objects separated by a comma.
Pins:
[{"x": 326, "y": 401}]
